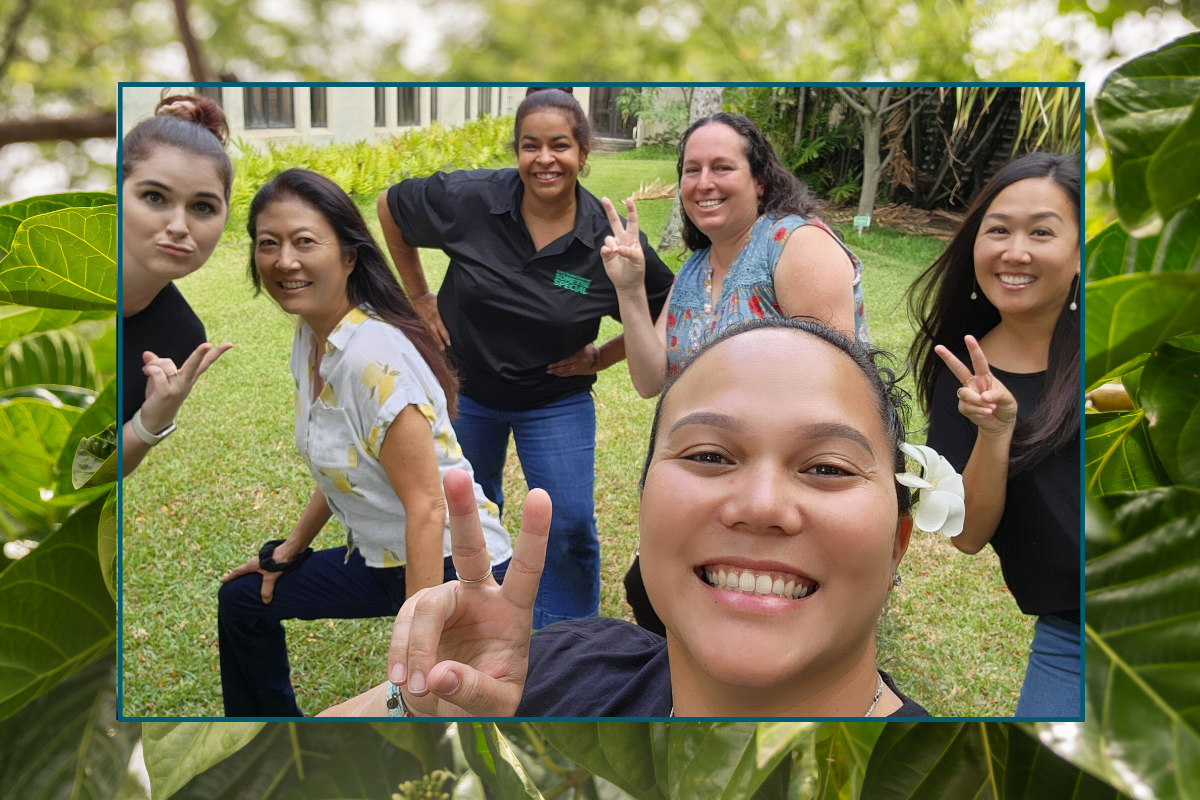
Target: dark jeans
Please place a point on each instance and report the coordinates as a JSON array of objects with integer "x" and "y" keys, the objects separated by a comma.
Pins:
[
  {"x": 255, "y": 678},
  {"x": 557, "y": 447}
]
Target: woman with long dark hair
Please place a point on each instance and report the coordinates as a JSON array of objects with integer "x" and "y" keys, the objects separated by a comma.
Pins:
[
  {"x": 1003, "y": 298},
  {"x": 175, "y": 182},
  {"x": 519, "y": 310},
  {"x": 374, "y": 398}
]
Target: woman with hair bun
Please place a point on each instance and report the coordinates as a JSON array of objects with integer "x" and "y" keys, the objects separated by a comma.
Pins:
[
  {"x": 519, "y": 310},
  {"x": 1003, "y": 298},
  {"x": 175, "y": 182}
]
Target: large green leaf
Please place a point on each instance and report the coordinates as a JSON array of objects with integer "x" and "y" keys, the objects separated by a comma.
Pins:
[
  {"x": 32, "y": 433},
  {"x": 55, "y": 611},
  {"x": 478, "y": 755},
  {"x": 1170, "y": 394},
  {"x": 57, "y": 358},
  {"x": 1133, "y": 314},
  {"x": 511, "y": 779},
  {"x": 943, "y": 761},
  {"x": 13, "y": 214},
  {"x": 1173, "y": 176},
  {"x": 96, "y": 418},
  {"x": 65, "y": 259},
  {"x": 1034, "y": 772},
  {"x": 417, "y": 737},
  {"x": 67, "y": 744},
  {"x": 845, "y": 749},
  {"x": 620, "y": 752},
  {"x": 367, "y": 767},
  {"x": 176, "y": 752},
  {"x": 18, "y": 321},
  {"x": 1139, "y": 106},
  {"x": 106, "y": 542},
  {"x": 711, "y": 760},
  {"x": 1142, "y": 729},
  {"x": 1117, "y": 453},
  {"x": 1176, "y": 248}
]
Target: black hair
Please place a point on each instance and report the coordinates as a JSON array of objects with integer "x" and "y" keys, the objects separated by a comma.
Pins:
[
  {"x": 890, "y": 400},
  {"x": 783, "y": 193},
  {"x": 542, "y": 99},
  {"x": 938, "y": 302},
  {"x": 192, "y": 123},
  {"x": 372, "y": 281}
]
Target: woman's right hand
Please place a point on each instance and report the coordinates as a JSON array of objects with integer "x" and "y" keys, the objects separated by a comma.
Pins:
[
  {"x": 167, "y": 386},
  {"x": 983, "y": 399},
  {"x": 624, "y": 260},
  {"x": 463, "y": 648},
  {"x": 426, "y": 306}
]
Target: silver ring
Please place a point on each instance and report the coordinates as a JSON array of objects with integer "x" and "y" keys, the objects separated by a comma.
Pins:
[{"x": 486, "y": 575}]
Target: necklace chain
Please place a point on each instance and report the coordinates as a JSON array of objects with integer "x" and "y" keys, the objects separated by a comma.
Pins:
[{"x": 874, "y": 701}]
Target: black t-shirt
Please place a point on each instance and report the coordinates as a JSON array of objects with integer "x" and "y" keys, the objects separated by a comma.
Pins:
[
  {"x": 1037, "y": 539},
  {"x": 168, "y": 328},
  {"x": 603, "y": 667},
  {"x": 512, "y": 311}
]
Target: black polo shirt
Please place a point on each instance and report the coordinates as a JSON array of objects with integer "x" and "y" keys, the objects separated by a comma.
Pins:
[{"x": 512, "y": 311}]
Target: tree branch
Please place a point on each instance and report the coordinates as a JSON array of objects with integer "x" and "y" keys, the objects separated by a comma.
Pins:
[
  {"x": 190, "y": 45},
  {"x": 852, "y": 102},
  {"x": 100, "y": 124},
  {"x": 15, "y": 23}
]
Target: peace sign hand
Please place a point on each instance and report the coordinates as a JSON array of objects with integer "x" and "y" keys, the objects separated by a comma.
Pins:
[
  {"x": 624, "y": 260},
  {"x": 167, "y": 386},
  {"x": 462, "y": 648},
  {"x": 983, "y": 399}
]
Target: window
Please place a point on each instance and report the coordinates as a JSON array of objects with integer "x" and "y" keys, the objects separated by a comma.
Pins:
[
  {"x": 408, "y": 106},
  {"x": 269, "y": 107},
  {"x": 380, "y": 107},
  {"x": 467, "y": 103},
  {"x": 211, "y": 92},
  {"x": 485, "y": 101},
  {"x": 432, "y": 103},
  {"x": 320, "y": 117}
]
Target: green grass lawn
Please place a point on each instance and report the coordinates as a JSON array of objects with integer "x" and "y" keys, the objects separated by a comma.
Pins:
[{"x": 230, "y": 479}]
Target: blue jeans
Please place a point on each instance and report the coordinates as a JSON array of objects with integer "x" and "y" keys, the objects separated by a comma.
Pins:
[
  {"x": 557, "y": 448},
  {"x": 1052, "y": 679},
  {"x": 255, "y": 676}
]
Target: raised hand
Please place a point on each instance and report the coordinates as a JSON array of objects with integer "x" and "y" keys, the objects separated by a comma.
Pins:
[
  {"x": 624, "y": 260},
  {"x": 983, "y": 399},
  {"x": 167, "y": 386},
  {"x": 462, "y": 648}
]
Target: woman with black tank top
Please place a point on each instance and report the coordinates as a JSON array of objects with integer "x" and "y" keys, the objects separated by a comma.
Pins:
[
  {"x": 175, "y": 187},
  {"x": 1007, "y": 288}
]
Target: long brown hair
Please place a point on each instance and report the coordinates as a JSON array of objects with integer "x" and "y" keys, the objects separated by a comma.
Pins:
[
  {"x": 371, "y": 282},
  {"x": 938, "y": 302}
]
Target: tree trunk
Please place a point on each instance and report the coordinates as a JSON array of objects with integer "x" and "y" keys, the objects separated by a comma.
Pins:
[
  {"x": 190, "y": 46},
  {"x": 706, "y": 101},
  {"x": 872, "y": 133}
]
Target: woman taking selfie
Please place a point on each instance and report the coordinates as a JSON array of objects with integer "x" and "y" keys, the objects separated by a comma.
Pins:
[
  {"x": 997, "y": 367},
  {"x": 175, "y": 181},
  {"x": 772, "y": 530},
  {"x": 519, "y": 309},
  {"x": 374, "y": 397}
]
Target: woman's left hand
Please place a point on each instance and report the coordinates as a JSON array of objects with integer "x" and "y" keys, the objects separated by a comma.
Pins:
[
  {"x": 983, "y": 399},
  {"x": 267, "y": 592},
  {"x": 585, "y": 362}
]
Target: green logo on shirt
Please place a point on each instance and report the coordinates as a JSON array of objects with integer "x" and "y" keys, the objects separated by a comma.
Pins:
[{"x": 573, "y": 282}]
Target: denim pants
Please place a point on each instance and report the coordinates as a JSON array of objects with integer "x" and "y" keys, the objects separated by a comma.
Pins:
[
  {"x": 1052, "y": 679},
  {"x": 255, "y": 676},
  {"x": 557, "y": 448}
]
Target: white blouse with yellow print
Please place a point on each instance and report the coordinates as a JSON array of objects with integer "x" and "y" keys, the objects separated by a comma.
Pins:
[{"x": 371, "y": 372}]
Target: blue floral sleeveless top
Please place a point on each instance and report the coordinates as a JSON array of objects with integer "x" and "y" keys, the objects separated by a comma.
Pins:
[{"x": 747, "y": 293}]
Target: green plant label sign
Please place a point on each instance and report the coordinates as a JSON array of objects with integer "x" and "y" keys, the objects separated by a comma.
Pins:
[{"x": 862, "y": 222}]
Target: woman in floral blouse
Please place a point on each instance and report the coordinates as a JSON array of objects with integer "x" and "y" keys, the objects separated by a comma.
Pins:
[{"x": 374, "y": 397}]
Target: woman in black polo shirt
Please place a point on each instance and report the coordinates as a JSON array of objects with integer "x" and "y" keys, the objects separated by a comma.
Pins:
[
  {"x": 520, "y": 307},
  {"x": 1007, "y": 287}
]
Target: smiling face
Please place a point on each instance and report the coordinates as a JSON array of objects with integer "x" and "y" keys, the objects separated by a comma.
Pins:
[
  {"x": 720, "y": 195},
  {"x": 768, "y": 517},
  {"x": 548, "y": 156},
  {"x": 300, "y": 260},
  {"x": 1027, "y": 249},
  {"x": 173, "y": 211}
]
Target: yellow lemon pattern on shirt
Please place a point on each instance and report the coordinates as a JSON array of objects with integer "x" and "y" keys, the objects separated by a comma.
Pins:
[
  {"x": 340, "y": 481},
  {"x": 328, "y": 396},
  {"x": 373, "y": 444},
  {"x": 390, "y": 559},
  {"x": 490, "y": 507},
  {"x": 380, "y": 378},
  {"x": 446, "y": 440}
]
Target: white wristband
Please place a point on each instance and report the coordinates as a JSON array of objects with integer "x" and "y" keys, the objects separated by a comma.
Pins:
[{"x": 146, "y": 436}]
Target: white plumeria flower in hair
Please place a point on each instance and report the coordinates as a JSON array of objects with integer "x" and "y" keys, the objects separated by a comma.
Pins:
[{"x": 940, "y": 505}]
